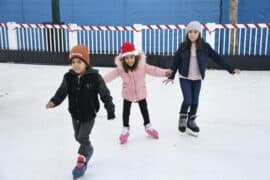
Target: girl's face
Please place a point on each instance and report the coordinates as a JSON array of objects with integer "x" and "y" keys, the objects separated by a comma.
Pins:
[
  {"x": 78, "y": 65},
  {"x": 193, "y": 35},
  {"x": 130, "y": 60}
]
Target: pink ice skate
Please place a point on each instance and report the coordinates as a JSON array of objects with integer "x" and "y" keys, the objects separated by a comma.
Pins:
[
  {"x": 124, "y": 135},
  {"x": 151, "y": 131}
]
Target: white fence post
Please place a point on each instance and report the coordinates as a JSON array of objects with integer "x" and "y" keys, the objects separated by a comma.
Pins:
[
  {"x": 73, "y": 36},
  {"x": 137, "y": 35},
  {"x": 12, "y": 35},
  {"x": 210, "y": 34}
]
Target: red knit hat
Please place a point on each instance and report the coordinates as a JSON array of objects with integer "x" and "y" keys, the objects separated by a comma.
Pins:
[
  {"x": 128, "y": 49},
  {"x": 81, "y": 52}
]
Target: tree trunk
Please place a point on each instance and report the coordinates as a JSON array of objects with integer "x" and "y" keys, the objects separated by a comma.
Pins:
[
  {"x": 233, "y": 18},
  {"x": 55, "y": 12}
]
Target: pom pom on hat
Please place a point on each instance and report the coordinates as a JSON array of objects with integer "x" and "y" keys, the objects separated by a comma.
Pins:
[
  {"x": 128, "y": 49},
  {"x": 80, "y": 51}
]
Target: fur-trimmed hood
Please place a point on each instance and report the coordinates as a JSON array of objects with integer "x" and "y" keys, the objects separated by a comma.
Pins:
[{"x": 141, "y": 63}]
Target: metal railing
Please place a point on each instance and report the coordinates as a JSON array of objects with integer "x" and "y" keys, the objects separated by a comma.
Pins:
[
  {"x": 104, "y": 40},
  {"x": 226, "y": 39}
]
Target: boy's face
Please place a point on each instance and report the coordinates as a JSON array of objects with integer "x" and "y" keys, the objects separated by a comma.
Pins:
[
  {"x": 78, "y": 65},
  {"x": 130, "y": 60},
  {"x": 193, "y": 35}
]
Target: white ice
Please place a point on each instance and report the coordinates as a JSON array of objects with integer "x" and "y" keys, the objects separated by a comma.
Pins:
[{"x": 38, "y": 144}]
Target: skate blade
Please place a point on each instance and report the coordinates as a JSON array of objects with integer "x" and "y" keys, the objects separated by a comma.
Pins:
[
  {"x": 191, "y": 133},
  {"x": 78, "y": 177}
]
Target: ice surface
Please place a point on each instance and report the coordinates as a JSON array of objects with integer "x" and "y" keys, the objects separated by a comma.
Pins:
[{"x": 38, "y": 144}]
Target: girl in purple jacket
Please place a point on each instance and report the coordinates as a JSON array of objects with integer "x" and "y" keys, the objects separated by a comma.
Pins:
[{"x": 131, "y": 66}]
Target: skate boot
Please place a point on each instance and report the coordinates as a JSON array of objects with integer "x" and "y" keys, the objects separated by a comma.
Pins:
[
  {"x": 90, "y": 153},
  {"x": 192, "y": 125},
  {"x": 151, "y": 131},
  {"x": 80, "y": 167},
  {"x": 124, "y": 135},
  {"x": 182, "y": 122}
]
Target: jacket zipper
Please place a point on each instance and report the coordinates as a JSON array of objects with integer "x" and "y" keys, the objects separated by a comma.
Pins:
[
  {"x": 134, "y": 86},
  {"x": 78, "y": 93}
]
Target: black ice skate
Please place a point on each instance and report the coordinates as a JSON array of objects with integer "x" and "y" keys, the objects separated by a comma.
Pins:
[
  {"x": 182, "y": 122},
  {"x": 192, "y": 127}
]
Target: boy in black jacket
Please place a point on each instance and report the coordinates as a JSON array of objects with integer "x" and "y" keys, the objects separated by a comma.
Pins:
[{"x": 82, "y": 84}]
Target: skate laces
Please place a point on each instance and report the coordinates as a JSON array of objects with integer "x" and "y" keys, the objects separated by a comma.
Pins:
[{"x": 80, "y": 161}]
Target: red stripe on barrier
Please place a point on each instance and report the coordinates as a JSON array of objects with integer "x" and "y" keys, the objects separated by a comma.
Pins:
[
  {"x": 177, "y": 26},
  {"x": 92, "y": 29},
  {"x": 246, "y": 26},
  {"x": 133, "y": 28},
  {"x": 225, "y": 26},
  {"x": 83, "y": 28},
  {"x": 117, "y": 28},
  {"x": 167, "y": 26},
  {"x": 159, "y": 27},
  {"x": 99, "y": 28},
  {"x": 205, "y": 27},
  {"x": 25, "y": 25},
  {"x": 268, "y": 25},
  {"x": 108, "y": 28},
  {"x": 45, "y": 25},
  {"x": 149, "y": 27},
  {"x": 235, "y": 26},
  {"x": 257, "y": 25}
]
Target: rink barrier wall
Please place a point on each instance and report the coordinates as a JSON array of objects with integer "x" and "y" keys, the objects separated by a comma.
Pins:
[
  {"x": 107, "y": 60},
  {"x": 226, "y": 39}
]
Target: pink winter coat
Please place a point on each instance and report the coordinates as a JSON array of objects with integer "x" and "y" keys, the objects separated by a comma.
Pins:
[{"x": 133, "y": 83}]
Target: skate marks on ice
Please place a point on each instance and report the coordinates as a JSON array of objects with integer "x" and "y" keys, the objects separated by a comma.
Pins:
[{"x": 2, "y": 93}]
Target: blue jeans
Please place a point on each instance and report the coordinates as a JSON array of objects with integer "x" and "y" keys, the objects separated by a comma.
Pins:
[{"x": 191, "y": 91}]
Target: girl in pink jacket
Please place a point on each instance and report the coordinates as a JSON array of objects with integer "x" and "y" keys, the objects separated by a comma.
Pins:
[{"x": 132, "y": 68}]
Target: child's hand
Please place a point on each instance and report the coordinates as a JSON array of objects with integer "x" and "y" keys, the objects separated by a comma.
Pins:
[
  {"x": 236, "y": 71},
  {"x": 166, "y": 81},
  {"x": 111, "y": 115},
  {"x": 168, "y": 73},
  {"x": 50, "y": 105}
]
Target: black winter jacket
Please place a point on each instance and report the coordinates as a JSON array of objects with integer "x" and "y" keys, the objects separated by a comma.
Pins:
[{"x": 83, "y": 94}]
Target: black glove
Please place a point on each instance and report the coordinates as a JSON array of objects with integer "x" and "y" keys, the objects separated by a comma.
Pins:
[{"x": 110, "y": 115}]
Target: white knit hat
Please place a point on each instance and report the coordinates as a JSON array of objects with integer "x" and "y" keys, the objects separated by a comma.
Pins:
[{"x": 194, "y": 25}]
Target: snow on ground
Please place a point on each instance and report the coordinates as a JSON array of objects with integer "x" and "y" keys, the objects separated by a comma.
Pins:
[{"x": 38, "y": 144}]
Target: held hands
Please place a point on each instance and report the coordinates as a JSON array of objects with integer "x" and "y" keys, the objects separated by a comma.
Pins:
[
  {"x": 236, "y": 71},
  {"x": 168, "y": 73},
  {"x": 110, "y": 115},
  {"x": 167, "y": 81},
  {"x": 50, "y": 105}
]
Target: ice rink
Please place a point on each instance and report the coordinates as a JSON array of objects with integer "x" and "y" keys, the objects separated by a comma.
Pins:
[{"x": 38, "y": 144}]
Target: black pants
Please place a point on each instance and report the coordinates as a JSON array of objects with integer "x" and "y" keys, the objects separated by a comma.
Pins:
[
  {"x": 82, "y": 131},
  {"x": 143, "y": 108}
]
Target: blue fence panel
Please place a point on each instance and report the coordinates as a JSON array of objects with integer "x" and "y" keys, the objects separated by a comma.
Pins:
[
  {"x": 104, "y": 42},
  {"x": 3, "y": 38},
  {"x": 43, "y": 39}
]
